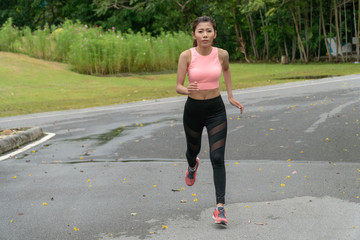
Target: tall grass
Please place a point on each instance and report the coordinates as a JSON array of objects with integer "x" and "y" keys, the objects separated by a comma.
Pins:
[{"x": 91, "y": 50}]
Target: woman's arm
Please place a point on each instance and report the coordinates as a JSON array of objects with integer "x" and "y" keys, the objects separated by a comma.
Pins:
[
  {"x": 181, "y": 74},
  {"x": 224, "y": 55}
]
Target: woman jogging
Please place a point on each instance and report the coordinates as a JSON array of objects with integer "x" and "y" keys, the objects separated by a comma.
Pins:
[{"x": 204, "y": 106}]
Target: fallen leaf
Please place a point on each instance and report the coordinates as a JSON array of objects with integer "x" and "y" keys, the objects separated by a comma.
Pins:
[
  {"x": 14, "y": 177},
  {"x": 45, "y": 204},
  {"x": 195, "y": 200},
  {"x": 260, "y": 223},
  {"x": 194, "y": 194},
  {"x": 283, "y": 185},
  {"x": 164, "y": 227},
  {"x": 133, "y": 214},
  {"x": 155, "y": 186},
  {"x": 76, "y": 229}
]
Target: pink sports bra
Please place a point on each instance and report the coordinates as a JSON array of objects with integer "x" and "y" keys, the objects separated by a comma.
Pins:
[{"x": 205, "y": 70}]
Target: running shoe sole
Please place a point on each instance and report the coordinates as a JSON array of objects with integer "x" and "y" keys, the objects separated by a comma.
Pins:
[{"x": 221, "y": 222}]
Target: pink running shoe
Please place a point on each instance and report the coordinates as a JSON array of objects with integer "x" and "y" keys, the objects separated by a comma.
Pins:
[
  {"x": 190, "y": 175},
  {"x": 219, "y": 216}
]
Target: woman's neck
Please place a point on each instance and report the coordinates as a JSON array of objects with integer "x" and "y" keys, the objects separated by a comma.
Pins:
[{"x": 203, "y": 50}]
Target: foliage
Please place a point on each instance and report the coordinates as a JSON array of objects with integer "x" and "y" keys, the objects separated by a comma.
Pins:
[
  {"x": 92, "y": 50},
  {"x": 268, "y": 29}
]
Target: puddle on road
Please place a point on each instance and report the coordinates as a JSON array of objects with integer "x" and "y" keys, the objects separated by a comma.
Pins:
[{"x": 117, "y": 132}]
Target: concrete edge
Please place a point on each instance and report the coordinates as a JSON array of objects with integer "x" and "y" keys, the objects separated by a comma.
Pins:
[
  {"x": 12, "y": 154},
  {"x": 16, "y": 141}
]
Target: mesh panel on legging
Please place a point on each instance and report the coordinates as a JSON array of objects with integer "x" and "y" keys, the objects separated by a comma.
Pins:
[
  {"x": 193, "y": 139},
  {"x": 217, "y": 139}
]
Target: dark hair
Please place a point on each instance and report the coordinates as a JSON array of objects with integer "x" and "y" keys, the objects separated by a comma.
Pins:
[{"x": 199, "y": 20}]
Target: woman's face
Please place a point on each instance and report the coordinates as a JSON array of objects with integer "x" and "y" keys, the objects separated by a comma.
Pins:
[{"x": 204, "y": 34}]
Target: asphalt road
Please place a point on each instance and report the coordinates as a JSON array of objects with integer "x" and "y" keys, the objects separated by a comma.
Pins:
[{"x": 117, "y": 172}]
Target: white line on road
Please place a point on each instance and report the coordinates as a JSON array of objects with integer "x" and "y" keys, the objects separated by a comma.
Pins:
[
  {"x": 27, "y": 147},
  {"x": 327, "y": 115},
  {"x": 305, "y": 84}
]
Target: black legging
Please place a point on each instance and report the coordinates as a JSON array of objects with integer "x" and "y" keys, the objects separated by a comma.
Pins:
[{"x": 209, "y": 113}]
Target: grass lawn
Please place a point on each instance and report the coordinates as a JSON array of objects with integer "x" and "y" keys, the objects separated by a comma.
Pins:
[{"x": 31, "y": 85}]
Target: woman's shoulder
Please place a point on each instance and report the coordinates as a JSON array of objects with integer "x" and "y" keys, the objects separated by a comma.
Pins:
[
  {"x": 223, "y": 53},
  {"x": 186, "y": 54}
]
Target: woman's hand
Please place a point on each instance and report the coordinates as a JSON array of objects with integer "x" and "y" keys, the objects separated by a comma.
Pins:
[
  {"x": 237, "y": 104},
  {"x": 193, "y": 88}
]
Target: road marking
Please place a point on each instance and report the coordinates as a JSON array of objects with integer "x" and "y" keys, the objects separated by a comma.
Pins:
[
  {"x": 305, "y": 84},
  {"x": 327, "y": 115},
  {"x": 27, "y": 147},
  {"x": 157, "y": 102}
]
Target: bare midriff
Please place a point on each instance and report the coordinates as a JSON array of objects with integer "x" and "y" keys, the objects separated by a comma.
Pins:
[{"x": 205, "y": 94}]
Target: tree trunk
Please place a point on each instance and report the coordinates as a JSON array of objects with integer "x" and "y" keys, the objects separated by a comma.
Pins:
[
  {"x": 293, "y": 49},
  {"x": 301, "y": 46},
  {"x": 356, "y": 32},
  {"x": 286, "y": 49},
  {"x": 306, "y": 25},
  {"x": 239, "y": 36},
  {"x": 319, "y": 46},
  {"x": 324, "y": 31},
  {"x": 338, "y": 39},
  {"x": 346, "y": 30},
  {"x": 266, "y": 36},
  {"x": 252, "y": 35}
]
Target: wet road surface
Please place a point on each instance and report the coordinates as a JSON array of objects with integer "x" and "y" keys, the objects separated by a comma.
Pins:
[{"x": 117, "y": 172}]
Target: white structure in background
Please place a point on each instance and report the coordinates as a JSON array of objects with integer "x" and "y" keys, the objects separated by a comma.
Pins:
[{"x": 345, "y": 48}]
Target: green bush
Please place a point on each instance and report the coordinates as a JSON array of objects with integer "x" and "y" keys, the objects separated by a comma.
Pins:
[
  {"x": 95, "y": 51},
  {"x": 9, "y": 37}
]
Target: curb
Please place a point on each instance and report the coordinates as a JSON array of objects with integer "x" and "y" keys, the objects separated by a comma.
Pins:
[{"x": 15, "y": 141}]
